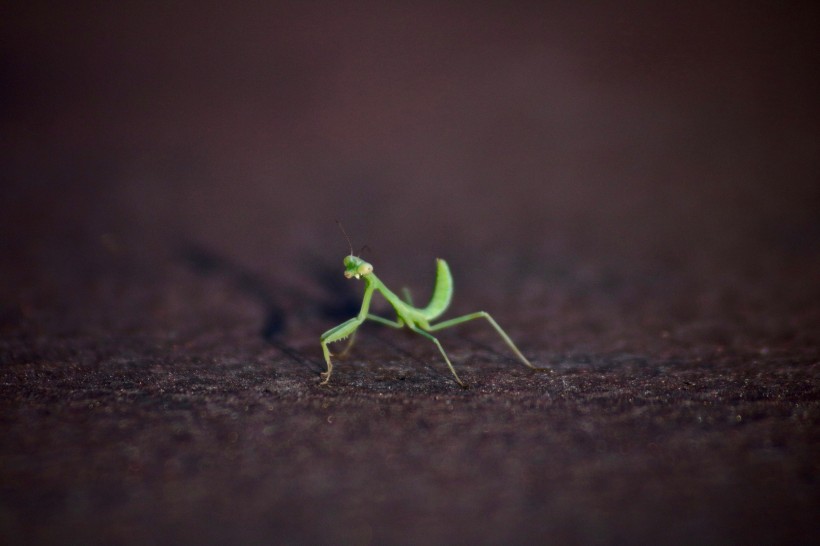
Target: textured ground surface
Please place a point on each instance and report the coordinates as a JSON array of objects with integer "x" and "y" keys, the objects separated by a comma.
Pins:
[{"x": 631, "y": 192}]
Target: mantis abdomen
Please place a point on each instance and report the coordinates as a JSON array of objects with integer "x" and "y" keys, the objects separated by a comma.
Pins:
[{"x": 442, "y": 293}]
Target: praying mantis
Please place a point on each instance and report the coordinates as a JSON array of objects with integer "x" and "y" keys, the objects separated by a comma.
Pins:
[{"x": 416, "y": 319}]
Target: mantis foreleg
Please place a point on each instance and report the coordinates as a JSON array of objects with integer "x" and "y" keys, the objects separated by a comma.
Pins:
[
  {"x": 347, "y": 328},
  {"x": 337, "y": 333}
]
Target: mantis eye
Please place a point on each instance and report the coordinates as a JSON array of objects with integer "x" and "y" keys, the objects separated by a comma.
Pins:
[{"x": 364, "y": 269}]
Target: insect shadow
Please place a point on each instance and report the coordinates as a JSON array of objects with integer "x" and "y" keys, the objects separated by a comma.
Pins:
[
  {"x": 341, "y": 301},
  {"x": 274, "y": 301},
  {"x": 209, "y": 264}
]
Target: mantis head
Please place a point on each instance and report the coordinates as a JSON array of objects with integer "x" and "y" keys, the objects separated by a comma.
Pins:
[{"x": 355, "y": 267}]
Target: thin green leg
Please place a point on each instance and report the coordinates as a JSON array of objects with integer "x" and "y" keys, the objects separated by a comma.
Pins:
[
  {"x": 408, "y": 297},
  {"x": 337, "y": 333},
  {"x": 347, "y": 328},
  {"x": 440, "y": 348},
  {"x": 374, "y": 318},
  {"x": 386, "y": 322},
  {"x": 349, "y": 346},
  {"x": 494, "y": 324}
]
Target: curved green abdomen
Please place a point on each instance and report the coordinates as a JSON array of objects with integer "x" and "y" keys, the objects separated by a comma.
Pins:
[{"x": 442, "y": 293}]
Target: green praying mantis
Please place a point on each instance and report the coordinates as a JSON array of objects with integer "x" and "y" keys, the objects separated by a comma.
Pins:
[{"x": 417, "y": 319}]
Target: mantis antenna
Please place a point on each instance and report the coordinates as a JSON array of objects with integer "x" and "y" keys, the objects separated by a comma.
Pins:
[
  {"x": 365, "y": 247},
  {"x": 341, "y": 227}
]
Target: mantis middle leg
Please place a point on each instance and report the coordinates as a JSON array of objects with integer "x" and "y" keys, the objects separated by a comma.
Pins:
[{"x": 374, "y": 318}]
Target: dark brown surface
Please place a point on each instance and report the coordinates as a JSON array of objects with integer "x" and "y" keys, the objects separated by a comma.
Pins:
[{"x": 631, "y": 191}]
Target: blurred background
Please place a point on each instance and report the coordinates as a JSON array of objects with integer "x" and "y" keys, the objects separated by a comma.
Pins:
[{"x": 625, "y": 132}]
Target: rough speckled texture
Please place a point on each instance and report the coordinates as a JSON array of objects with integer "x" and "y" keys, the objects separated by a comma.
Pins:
[
  {"x": 631, "y": 191},
  {"x": 133, "y": 434}
]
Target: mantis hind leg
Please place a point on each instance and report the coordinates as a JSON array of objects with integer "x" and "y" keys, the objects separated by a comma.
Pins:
[
  {"x": 494, "y": 324},
  {"x": 441, "y": 349}
]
